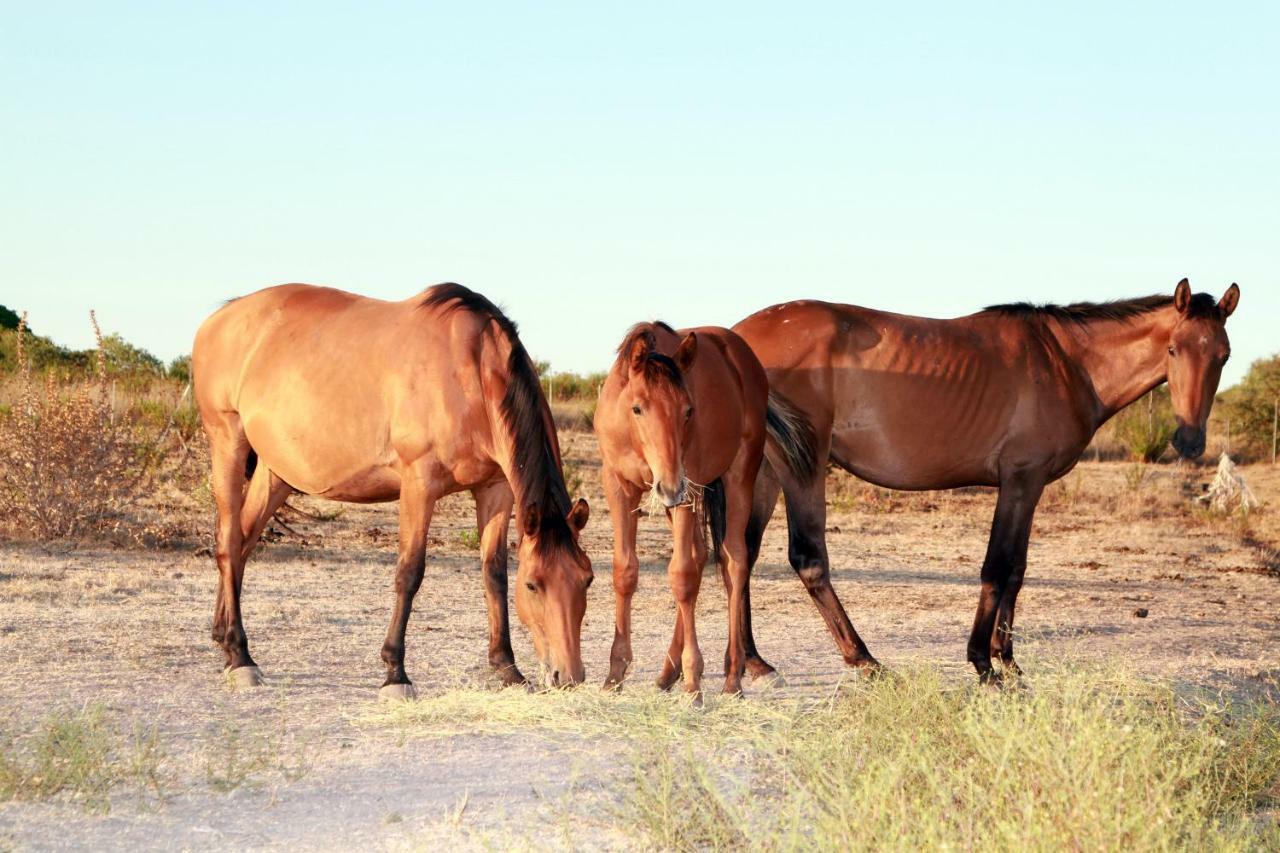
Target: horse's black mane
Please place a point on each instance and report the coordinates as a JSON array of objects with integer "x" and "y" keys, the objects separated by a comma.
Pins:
[
  {"x": 656, "y": 365},
  {"x": 525, "y": 412},
  {"x": 1202, "y": 305}
]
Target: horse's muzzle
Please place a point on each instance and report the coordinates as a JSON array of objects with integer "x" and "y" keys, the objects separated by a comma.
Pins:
[
  {"x": 557, "y": 678},
  {"x": 1189, "y": 442},
  {"x": 673, "y": 497}
]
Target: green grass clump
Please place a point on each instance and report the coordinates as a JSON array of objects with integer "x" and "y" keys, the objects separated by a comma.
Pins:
[{"x": 77, "y": 754}]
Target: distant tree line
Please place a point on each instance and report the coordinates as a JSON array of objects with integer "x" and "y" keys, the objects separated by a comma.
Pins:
[
  {"x": 122, "y": 357},
  {"x": 1245, "y": 416}
]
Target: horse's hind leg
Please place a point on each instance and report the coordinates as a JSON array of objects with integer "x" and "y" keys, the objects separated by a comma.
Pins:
[
  {"x": 266, "y": 494},
  {"x": 807, "y": 547},
  {"x": 734, "y": 566},
  {"x": 493, "y": 512},
  {"x": 764, "y": 499},
  {"x": 416, "y": 505},
  {"x": 228, "y": 452},
  {"x": 1002, "y": 571}
]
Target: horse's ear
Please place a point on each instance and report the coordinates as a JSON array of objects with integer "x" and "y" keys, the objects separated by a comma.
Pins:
[
  {"x": 578, "y": 516},
  {"x": 686, "y": 352},
  {"x": 641, "y": 347},
  {"x": 1230, "y": 299},
  {"x": 532, "y": 519},
  {"x": 1182, "y": 296}
]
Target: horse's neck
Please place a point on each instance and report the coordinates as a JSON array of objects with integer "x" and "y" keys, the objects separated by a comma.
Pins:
[
  {"x": 523, "y": 442},
  {"x": 1123, "y": 359},
  {"x": 534, "y": 479}
]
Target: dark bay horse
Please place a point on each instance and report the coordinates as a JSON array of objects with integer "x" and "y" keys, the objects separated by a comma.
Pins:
[
  {"x": 684, "y": 413},
  {"x": 1008, "y": 397},
  {"x": 355, "y": 399}
]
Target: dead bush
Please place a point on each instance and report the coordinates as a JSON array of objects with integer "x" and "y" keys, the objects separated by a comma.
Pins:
[{"x": 69, "y": 466}]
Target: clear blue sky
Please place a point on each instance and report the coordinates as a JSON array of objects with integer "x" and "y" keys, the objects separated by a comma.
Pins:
[{"x": 592, "y": 164}]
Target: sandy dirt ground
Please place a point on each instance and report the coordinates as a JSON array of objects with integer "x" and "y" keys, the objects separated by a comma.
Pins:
[{"x": 130, "y": 629}]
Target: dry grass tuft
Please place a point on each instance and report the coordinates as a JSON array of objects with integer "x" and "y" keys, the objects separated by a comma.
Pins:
[
  {"x": 77, "y": 754},
  {"x": 267, "y": 751},
  {"x": 1087, "y": 758}
]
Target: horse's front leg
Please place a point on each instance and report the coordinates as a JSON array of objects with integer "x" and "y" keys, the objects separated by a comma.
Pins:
[
  {"x": 623, "y": 499},
  {"x": 416, "y": 505},
  {"x": 1002, "y": 571},
  {"x": 686, "y": 578},
  {"x": 493, "y": 512}
]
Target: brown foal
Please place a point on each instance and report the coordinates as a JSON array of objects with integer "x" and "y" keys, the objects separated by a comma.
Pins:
[
  {"x": 1008, "y": 397},
  {"x": 354, "y": 399},
  {"x": 684, "y": 413}
]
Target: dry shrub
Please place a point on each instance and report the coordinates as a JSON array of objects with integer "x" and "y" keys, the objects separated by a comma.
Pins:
[
  {"x": 69, "y": 466},
  {"x": 1146, "y": 427},
  {"x": 576, "y": 415}
]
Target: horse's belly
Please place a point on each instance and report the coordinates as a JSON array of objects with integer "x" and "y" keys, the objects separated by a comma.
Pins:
[
  {"x": 326, "y": 460},
  {"x": 904, "y": 462}
]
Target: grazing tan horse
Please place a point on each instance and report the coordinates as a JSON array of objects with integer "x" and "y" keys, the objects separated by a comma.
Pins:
[
  {"x": 685, "y": 413},
  {"x": 1009, "y": 397},
  {"x": 355, "y": 399}
]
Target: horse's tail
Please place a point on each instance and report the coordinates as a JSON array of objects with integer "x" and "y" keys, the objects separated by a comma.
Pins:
[
  {"x": 713, "y": 507},
  {"x": 793, "y": 434}
]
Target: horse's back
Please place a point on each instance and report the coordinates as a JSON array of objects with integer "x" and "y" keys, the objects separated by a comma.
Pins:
[
  {"x": 910, "y": 402},
  {"x": 333, "y": 389}
]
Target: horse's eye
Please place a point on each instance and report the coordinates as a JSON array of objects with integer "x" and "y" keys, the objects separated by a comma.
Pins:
[
  {"x": 635, "y": 409},
  {"x": 688, "y": 413},
  {"x": 1172, "y": 351},
  {"x": 590, "y": 578},
  {"x": 531, "y": 586},
  {"x": 1226, "y": 358}
]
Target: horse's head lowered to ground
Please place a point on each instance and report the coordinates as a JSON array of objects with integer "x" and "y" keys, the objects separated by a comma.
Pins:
[{"x": 551, "y": 590}]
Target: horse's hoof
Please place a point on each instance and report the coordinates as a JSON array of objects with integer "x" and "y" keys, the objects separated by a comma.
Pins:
[
  {"x": 991, "y": 679},
  {"x": 509, "y": 676},
  {"x": 397, "y": 693},
  {"x": 243, "y": 677},
  {"x": 733, "y": 690},
  {"x": 769, "y": 680},
  {"x": 612, "y": 685},
  {"x": 668, "y": 680},
  {"x": 873, "y": 670},
  {"x": 696, "y": 701}
]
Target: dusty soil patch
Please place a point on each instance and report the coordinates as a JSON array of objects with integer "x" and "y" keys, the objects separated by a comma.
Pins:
[{"x": 297, "y": 765}]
